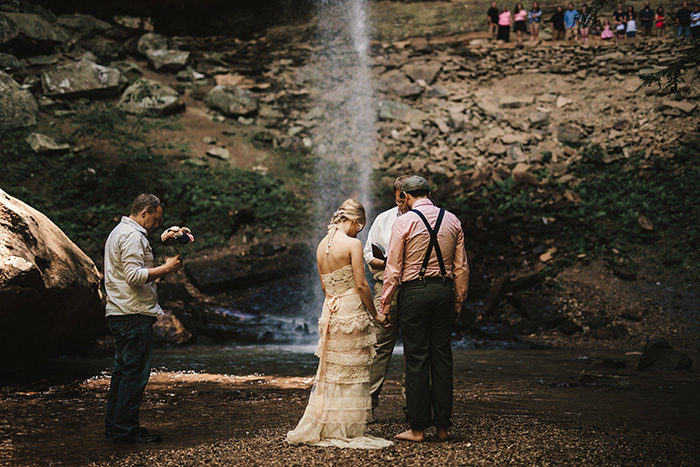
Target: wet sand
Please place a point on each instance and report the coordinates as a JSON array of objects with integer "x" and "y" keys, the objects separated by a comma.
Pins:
[{"x": 512, "y": 407}]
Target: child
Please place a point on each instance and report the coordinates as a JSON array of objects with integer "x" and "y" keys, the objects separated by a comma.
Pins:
[
  {"x": 631, "y": 28},
  {"x": 660, "y": 21},
  {"x": 606, "y": 33}
]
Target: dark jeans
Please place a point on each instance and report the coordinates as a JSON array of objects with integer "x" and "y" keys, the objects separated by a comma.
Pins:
[
  {"x": 133, "y": 345},
  {"x": 426, "y": 316}
]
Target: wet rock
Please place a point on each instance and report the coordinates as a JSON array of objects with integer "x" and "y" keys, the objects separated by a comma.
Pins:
[
  {"x": 8, "y": 62},
  {"x": 44, "y": 144},
  {"x": 392, "y": 110},
  {"x": 151, "y": 98},
  {"x": 18, "y": 108},
  {"x": 232, "y": 101},
  {"x": 425, "y": 70},
  {"x": 134, "y": 23},
  {"x": 659, "y": 354},
  {"x": 27, "y": 31},
  {"x": 151, "y": 41},
  {"x": 83, "y": 23},
  {"x": 168, "y": 328},
  {"x": 167, "y": 60},
  {"x": 228, "y": 272},
  {"x": 80, "y": 79},
  {"x": 49, "y": 289}
]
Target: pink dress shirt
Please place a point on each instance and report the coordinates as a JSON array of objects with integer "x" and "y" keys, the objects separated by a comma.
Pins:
[{"x": 409, "y": 243}]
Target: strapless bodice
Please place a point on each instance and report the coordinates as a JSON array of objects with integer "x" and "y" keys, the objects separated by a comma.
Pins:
[{"x": 339, "y": 281}]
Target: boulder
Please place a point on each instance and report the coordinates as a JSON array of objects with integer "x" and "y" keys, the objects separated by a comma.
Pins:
[
  {"x": 80, "y": 79},
  {"x": 151, "y": 98},
  {"x": 232, "y": 100},
  {"x": 168, "y": 328},
  {"x": 28, "y": 31},
  {"x": 219, "y": 152},
  {"x": 151, "y": 41},
  {"x": 18, "y": 108},
  {"x": 426, "y": 70},
  {"x": 83, "y": 23},
  {"x": 167, "y": 60},
  {"x": 228, "y": 272},
  {"x": 393, "y": 110},
  {"x": 658, "y": 354},
  {"x": 49, "y": 288}
]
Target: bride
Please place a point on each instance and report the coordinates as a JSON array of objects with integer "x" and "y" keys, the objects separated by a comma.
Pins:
[{"x": 339, "y": 405}]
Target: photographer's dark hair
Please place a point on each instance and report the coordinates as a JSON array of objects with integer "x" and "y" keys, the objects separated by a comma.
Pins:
[{"x": 145, "y": 201}]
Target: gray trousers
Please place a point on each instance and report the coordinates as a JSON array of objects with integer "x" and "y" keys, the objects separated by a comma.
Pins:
[{"x": 386, "y": 340}]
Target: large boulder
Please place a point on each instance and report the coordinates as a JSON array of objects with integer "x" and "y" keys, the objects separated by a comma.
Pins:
[
  {"x": 232, "y": 100},
  {"x": 49, "y": 289},
  {"x": 151, "y": 41},
  {"x": 80, "y": 79},
  {"x": 18, "y": 108},
  {"x": 27, "y": 31},
  {"x": 659, "y": 354},
  {"x": 151, "y": 98},
  {"x": 425, "y": 70}
]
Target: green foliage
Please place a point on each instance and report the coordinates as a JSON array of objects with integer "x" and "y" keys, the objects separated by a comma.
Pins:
[{"x": 208, "y": 200}]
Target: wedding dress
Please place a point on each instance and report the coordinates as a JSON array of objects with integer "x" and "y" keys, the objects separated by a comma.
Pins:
[{"x": 339, "y": 405}]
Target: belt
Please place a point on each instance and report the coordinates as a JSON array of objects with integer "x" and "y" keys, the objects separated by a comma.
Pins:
[{"x": 428, "y": 280}]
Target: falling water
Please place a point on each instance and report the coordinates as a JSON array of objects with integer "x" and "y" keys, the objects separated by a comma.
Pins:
[{"x": 344, "y": 140}]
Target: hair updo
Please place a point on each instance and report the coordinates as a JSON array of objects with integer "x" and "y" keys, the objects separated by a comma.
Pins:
[{"x": 350, "y": 210}]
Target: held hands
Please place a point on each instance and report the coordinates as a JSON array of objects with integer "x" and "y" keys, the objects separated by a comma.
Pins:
[{"x": 382, "y": 319}]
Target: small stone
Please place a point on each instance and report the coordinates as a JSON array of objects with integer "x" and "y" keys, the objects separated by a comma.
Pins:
[
  {"x": 219, "y": 153},
  {"x": 209, "y": 140}
]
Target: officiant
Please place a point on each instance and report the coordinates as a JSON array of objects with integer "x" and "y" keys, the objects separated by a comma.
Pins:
[{"x": 374, "y": 251}]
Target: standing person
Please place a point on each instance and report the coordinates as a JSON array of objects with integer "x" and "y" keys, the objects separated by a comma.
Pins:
[
  {"x": 631, "y": 26},
  {"x": 492, "y": 15},
  {"x": 683, "y": 18},
  {"x": 520, "y": 15},
  {"x": 584, "y": 24},
  {"x": 606, "y": 34},
  {"x": 695, "y": 22},
  {"x": 131, "y": 309},
  {"x": 646, "y": 19},
  {"x": 570, "y": 21},
  {"x": 379, "y": 234},
  {"x": 339, "y": 405},
  {"x": 660, "y": 22},
  {"x": 427, "y": 256},
  {"x": 620, "y": 17},
  {"x": 558, "y": 27},
  {"x": 534, "y": 16},
  {"x": 505, "y": 20}
]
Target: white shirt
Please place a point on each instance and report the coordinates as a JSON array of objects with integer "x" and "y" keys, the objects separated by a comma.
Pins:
[
  {"x": 380, "y": 233},
  {"x": 128, "y": 256}
]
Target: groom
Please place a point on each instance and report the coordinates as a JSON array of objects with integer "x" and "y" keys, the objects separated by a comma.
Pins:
[{"x": 427, "y": 256}]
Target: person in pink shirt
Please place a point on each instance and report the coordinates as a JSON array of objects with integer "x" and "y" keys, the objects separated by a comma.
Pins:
[
  {"x": 520, "y": 17},
  {"x": 505, "y": 19},
  {"x": 427, "y": 257}
]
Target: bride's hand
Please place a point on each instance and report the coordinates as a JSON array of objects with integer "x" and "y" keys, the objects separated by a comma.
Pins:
[{"x": 382, "y": 319}]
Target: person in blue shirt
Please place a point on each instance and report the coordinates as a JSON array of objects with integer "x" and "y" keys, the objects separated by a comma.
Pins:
[{"x": 570, "y": 22}]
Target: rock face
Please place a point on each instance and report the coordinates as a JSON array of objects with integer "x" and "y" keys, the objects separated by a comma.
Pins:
[
  {"x": 232, "y": 100},
  {"x": 150, "y": 98},
  {"x": 18, "y": 108},
  {"x": 49, "y": 289},
  {"x": 80, "y": 79}
]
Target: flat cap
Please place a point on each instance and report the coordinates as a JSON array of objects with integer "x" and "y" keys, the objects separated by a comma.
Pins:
[{"x": 415, "y": 183}]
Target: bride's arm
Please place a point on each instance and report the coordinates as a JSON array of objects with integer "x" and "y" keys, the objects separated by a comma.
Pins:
[{"x": 358, "y": 270}]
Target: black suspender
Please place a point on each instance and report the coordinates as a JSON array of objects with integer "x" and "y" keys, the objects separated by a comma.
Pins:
[{"x": 433, "y": 243}]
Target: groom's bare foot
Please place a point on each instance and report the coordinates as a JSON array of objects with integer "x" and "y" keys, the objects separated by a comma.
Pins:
[
  {"x": 416, "y": 436},
  {"x": 442, "y": 434}
]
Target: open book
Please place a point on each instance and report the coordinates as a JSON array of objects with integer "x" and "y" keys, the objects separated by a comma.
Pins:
[{"x": 378, "y": 252}]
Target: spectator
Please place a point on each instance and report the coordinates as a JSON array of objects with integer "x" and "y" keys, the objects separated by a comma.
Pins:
[
  {"x": 558, "y": 27},
  {"x": 597, "y": 28},
  {"x": 695, "y": 23},
  {"x": 646, "y": 19},
  {"x": 505, "y": 20},
  {"x": 584, "y": 23},
  {"x": 683, "y": 18},
  {"x": 660, "y": 21},
  {"x": 520, "y": 14},
  {"x": 620, "y": 17},
  {"x": 606, "y": 34},
  {"x": 570, "y": 21},
  {"x": 492, "y": 15},
  {"x": 534, "y": 16},
  {"x": 631, "y": 27}
]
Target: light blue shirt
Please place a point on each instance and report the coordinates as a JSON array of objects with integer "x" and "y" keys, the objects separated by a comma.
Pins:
[{"x": 570, "y": 18}]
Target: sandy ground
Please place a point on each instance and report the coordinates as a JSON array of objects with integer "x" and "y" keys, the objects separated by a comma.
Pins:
[{"x": 512, "y": 407}]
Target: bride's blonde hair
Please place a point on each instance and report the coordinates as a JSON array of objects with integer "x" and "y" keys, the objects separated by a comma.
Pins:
[{"x": 351, "y": 210}]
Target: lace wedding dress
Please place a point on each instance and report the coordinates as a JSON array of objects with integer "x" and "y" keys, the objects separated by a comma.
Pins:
[{"x": 339, "y": 405}]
